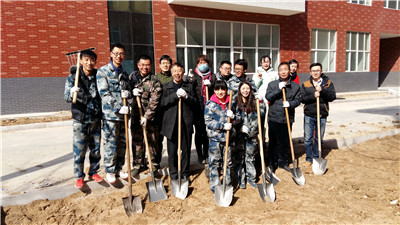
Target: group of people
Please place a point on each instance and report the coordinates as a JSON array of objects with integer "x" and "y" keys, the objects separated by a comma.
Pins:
[{"x": 207, "y": 109}]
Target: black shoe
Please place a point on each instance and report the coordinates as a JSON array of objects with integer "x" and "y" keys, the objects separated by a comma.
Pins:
[{"x": 285, "y": 167}]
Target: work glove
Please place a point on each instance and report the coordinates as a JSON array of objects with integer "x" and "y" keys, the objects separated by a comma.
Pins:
[
  {"x": 244, "y": 129},
  {"x": 282, "y": 85},
  {"x": 230, "y": 114},
  {"x": 124, "y": 110},
  {"x": 125, "y": 94},
  {"x": 258, "y": 96},
  {"x": 227, "y": 126},
  {"x": 181, "y": 93},
  {"x": 286, "y": 104},
  {"x": 190, "y": 74},
  {"x": 207, "y": 82},
  {"x": 143, "y": 121},
  {"x": 73, "y": 90},
  {"x": 137, "y": 92}
]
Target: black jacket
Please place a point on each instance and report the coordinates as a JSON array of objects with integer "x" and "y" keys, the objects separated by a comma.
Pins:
[
  {"x": 274, "y": 96},
  {"x": 327, "y": 94},
  {"x": 169, "y": 105}
]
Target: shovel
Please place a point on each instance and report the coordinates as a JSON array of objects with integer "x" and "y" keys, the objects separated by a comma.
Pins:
[
  {"x": 179, "y": 187},
  {"x": 224, "y": 194},
  {"x": 155, "y": 188},
  {"x": 131, "y": 204},
  {"x": 319, "y": 164},
  {"x": 297, "y": 175},
  {"x": 206, "y": 166},
  {"x": 265, "y": 190},
  {"x": 76, "y": 77}
]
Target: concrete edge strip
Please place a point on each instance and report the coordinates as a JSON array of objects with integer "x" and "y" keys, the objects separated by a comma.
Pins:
[
  {"x": 54, "y": 193},
  {"x": 36, "y": 125}
]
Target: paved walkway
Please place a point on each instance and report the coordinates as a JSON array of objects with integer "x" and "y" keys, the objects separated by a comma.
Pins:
[{"x": 37, "y": 158}]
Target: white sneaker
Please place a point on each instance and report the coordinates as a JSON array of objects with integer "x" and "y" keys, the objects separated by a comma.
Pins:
[
  {"x": 110, "y": 178},
  {"x": 123, "y": 175}
]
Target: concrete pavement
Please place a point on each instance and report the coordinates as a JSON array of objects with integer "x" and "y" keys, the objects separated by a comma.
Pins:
[{"x": 37, "y": 158}]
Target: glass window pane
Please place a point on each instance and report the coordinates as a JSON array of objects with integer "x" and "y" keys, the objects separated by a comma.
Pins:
[
  {"x": 249, "y": 38},
  {"x": 367, "y": 42},
  {"x": 140, "y": 6},
  {"x": 353, "y": 41},
  {"x": 353, "y": 62},
  {"x": 368, "y": 2},
  {"x": 194, "y": 32},
  {"x": 347, "y": 61},
  {"x": 180, "y": 56},
  {"x": 313, "y": 38},
  {"x": 360, "y": 61},
  {"x": 118, "y": 5},
  {"x": 180, "y": 31},
  {"x": 392, "y": 4},
  {"x": 331, "y": 61},
  {"x": 210, "y": 33},
  {"x": 262, "y": 52},
  {"x": 121, "y": 21},
  {"x": 250, "y": 55},
  {"x": 362, "y": 2},
  {"x": 322, "y": 39},
  {"x": 192, "y": 54},
  {"x": 348, "y": 41},
  {"x": 366, "y": 65},
  {"x": 333, "y": 40},
  {"x": 361, "y": 41},
  {"x": 275, "y": 36},
  {"x": 143, "y": 25},
  {"x": 223, "y": 33},
  {"x": 313, "y": 58},
  {"x": 210, "y": 54},
  {"x": 223, "y": 54},
  {"x": 264, "y": 35},
  {"x": 237, "y": 34},
  {"x": 322, "y": 57},
  {"x": 275, "y": 59}
]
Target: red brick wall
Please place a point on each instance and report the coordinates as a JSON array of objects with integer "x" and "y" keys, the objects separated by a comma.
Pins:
[
  {"x": 390, "y": 55},
  {"x": 37, "y": 34}
]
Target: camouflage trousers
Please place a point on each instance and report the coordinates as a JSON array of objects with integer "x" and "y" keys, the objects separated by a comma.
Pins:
[
  {"x": 114, "y": 145},
  {"x": 86, "y": 136},
  {"x": 138, "y": 145},
  {"x": 216, "y": 153},
  {"x": 244, "y": 160}
]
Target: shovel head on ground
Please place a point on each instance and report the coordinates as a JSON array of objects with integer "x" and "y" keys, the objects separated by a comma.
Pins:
[
  {"x": 271, "y": 177},
  {"x": 297, "y": 176},
  {"x": 179, "y": 188},
  {"x": 223, "y": 195},
  {"x": 207, "y": 171},
  {"x": 266, "y": 190},
  {"x": 132, "y": 205},
  {"x": 319, "y": 166},
  {"x": 156, "y": 190}
]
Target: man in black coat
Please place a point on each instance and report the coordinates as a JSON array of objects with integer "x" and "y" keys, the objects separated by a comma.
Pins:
[{"x": 172, "y": 92}]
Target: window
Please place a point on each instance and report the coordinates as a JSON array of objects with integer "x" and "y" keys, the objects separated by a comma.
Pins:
[
  {"x": 323, "y": 48},
  {"x": 357, "y": 51},
  {"x": 221, "y": 40},
  {"x": 360, "y": 2},
  {"x": 127, "y": 18},
  {"x": 392, "y": 4}
]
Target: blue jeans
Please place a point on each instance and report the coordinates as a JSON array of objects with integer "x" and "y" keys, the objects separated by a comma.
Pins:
[{"x": 311, "y": 140}]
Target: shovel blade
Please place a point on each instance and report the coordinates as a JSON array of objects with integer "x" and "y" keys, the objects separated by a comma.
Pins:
[
  {"x": 133, "y": 206},
  {"x": 271, "y": 177},
  {"x": 222, "y": 198},
  {"x": 319, "y": 166},
  {"x": 156, "y": 191},
  {"x": 180, "y": 191},
  {"x": 207, "y": 171},
  {"x": 266, "y": 190},
  {"x": 297, "y": 176}
]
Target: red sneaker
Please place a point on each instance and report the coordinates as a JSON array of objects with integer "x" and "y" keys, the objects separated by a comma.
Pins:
[
  {"x": 79, "y": 183},
  {"x": 97, "y": 178}
]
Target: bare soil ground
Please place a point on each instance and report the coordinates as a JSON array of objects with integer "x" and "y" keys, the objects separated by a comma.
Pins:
[
  {"x": 360, "y": 186},
  {"x": 58, "y": 116}
]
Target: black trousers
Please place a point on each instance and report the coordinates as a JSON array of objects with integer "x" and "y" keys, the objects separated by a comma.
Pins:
[
  {"x": 201, "y": 139},
  {"x": 278, "y": 147},
  {"x": 172, "y": 147}
]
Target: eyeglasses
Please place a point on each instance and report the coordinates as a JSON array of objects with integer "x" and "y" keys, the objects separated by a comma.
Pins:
[
  {"x": 237, "y": 69},
  {"x": 144, "y": 65},
  {"x": 226, "y": 69},
  {"x": 121, "y": 54},
  {"x": 315, "y": 71}
]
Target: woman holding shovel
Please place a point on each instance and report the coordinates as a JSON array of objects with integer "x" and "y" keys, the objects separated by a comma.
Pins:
[{"x": 244, "y": 156}]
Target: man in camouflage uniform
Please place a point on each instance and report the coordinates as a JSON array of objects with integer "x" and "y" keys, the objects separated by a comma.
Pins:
[
  {"x": 240, "y": 72},
  {"x": 86, "y": 117},
  {"x": 148, "y": 88},
  {"x": 112, "y": 83}
]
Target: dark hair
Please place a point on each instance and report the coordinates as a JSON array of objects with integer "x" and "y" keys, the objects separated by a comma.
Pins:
[
  {"x": 88, "y": 53},
  {"x": 225, "y": 62},
  {"x": 176, "y": 64},
  {"x": 202, "y": 57},
  {"x": 220, "y": 84},
  {"x": 284, "y": 63},
  {"x": 315, "y": 64},
  {"x": 241, "y": 62},
  {"x": 294, "y": 61},
  {"x": 265, "y": 56},
  {"x": 250, "y": 105},
  {"x": 117, "y": 45},
  {"x": 144, "y": 57},
  {"x": 166, "y": 57}
]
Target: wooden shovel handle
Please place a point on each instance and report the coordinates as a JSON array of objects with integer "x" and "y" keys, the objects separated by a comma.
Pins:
[
  {"x": 319, "y": 128},
  {"x": 76, "y": 78},
  {"x": 288, "y": 126},
  {"x": 260, "y": 136},
  {"x": 128, "y": 156},
  {"x": 207, "y": 93},
  {"x": 146, "y": 143},
  {"x": 179, "y": 133},
  {"x": 227, "y": 135}
]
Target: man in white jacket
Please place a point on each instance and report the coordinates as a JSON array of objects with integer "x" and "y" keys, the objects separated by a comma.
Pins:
[{"x": 265, "y": 74}]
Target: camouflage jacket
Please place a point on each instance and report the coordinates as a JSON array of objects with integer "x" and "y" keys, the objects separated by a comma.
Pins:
[
  {"x": 87, "y": 108},
  {"x": 248, "y": 120},
  {"x": 110, "y": 83},
  {"x": 151, "y": 95}
]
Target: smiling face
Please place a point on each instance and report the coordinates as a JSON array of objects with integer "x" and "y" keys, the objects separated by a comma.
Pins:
[
  {"x": 221, "y": 94},
  {"x": 88, "y": 63},
  {"x": 117, "y": 56},
  {"x": 239, "y": 71},
  {"x": 245, "y": 90},
  {"x": 283, "y": 71},
  {"x": 165, "y": 65},
  {"x": 293, "y": 68},
  {"x": 144, "y": 66},
  {"x": 225, "y": 69},
  {"x": 316, "y": 72},
  {"x": 177, "y": 74},
  {"x": 265, "y": 64}
]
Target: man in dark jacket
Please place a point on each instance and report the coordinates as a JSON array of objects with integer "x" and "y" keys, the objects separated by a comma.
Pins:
[
  {"x": 318, "y": 86},
  {"x": 278, "y": 132},
  {"x": 172, "y": 92}
]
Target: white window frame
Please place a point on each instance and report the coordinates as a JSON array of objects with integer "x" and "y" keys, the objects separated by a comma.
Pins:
[
  {"x": 360, "y": 2},
  {"x": 326, "y": 68},
  {"x": 357, "y": 51},
  {"x": 386, "y": 4},
  {"x": 204, "y": 47}
]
